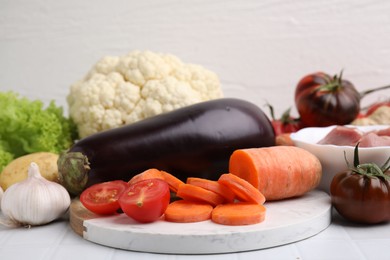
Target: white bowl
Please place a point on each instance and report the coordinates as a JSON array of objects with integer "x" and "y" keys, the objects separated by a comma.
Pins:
[{"x": 332, "y": 156}]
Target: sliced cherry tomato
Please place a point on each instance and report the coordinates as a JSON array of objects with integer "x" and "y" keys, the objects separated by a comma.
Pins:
[
  {"x": 362, "y": 194},
  {"x": 145, "y": 201},
  {"x": 102, "y": 198},
  {"x": 322, "y": 100}
]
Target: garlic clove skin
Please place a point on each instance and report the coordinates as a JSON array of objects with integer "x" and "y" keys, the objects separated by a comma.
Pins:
[{"x": 35, "y": 200}]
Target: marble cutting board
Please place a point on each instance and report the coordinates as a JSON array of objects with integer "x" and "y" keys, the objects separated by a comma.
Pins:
[{"x": 286, "y": 221}]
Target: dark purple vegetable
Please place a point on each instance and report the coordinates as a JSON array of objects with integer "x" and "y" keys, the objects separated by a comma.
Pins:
[{"x": 193, "y": 141}]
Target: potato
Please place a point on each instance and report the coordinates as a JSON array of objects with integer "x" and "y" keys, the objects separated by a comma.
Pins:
[{"x": 17, "y": 170}]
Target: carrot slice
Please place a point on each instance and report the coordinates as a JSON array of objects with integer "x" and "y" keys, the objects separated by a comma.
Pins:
[
  {"x": 194, "y": 193},
  {"x": 240, "y": 213},
  {"x": 172, "y": 181},
  {"x": 244, "y": 191},
  {"x": 184, "y": 211},
  {"x": 148, "y": 174},
  {"x": 279, "y": 172},
  {"x": 213, "y": 186}
]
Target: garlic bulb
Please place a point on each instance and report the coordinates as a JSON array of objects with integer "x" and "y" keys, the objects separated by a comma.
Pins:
[{"x": 35, "y": 200}]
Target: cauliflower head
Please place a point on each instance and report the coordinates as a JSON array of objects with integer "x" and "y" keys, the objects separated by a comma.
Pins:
[{"x": 120, "y": 90}]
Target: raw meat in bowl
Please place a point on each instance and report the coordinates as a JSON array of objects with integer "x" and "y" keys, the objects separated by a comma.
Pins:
[
  {"x": 332, "y": 155},
  {"x": 346, "y": 135}
]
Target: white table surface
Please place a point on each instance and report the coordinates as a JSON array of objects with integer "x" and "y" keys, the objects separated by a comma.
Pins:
[{"x": 341, "y": 240}]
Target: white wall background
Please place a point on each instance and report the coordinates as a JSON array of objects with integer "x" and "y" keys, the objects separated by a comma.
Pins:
[{"x": 259, "y": 49}]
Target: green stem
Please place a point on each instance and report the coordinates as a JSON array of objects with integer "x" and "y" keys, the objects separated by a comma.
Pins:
[
  {"x": 371, "y": 170},
  {"x": 369, "y": 91},
  {"x": 368, "y": 169},
  {"x": 333, "y": 84}
]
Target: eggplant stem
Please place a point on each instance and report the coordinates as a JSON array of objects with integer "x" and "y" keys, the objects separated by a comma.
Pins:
[{"x": 73, "y": 169}]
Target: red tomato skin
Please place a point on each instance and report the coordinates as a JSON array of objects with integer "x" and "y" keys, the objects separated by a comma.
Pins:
[
  {"x": 375, "y": 106},
  {"x": 285, "y": 128},
  {"x": 361, "y": 199},
  {"x": 145, "y": 201},
  {"x": 318, "y": 108},
  {"x": 102, "y": 198}
]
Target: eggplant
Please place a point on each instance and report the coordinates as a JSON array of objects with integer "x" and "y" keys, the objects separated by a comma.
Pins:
[{"x": 193, "y": 141}]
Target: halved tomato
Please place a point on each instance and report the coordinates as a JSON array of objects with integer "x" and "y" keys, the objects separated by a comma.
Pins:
[
  {"x": 102, "y": 198},
  {"x": 145, "y": 201}
]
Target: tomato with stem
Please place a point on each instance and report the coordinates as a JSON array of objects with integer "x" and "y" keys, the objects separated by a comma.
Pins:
[
  {"x": 145, "y": 201},
  {"x": 323, "y": 100},
  {"x": 286, "y": 123},
  {"x": 362, "y": 193},
  {"x": 102, "y": 198}
]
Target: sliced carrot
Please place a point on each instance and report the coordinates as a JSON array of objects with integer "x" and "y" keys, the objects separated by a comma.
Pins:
[
  {"x": 172, "y": 181},
  {"x": 148, "y": 174},
  {"x": 194, "y": 193},
  {"x": 213, "y": 186},
  {"x": 279, "y": 172},
  {"x": 185, "y": 211},
  {"x": 244, "y": 191},
  {"x": 240, "y": 213}
]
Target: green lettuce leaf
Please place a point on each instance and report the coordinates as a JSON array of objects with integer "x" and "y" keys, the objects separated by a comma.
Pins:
[{"x": 26, "y": 126}]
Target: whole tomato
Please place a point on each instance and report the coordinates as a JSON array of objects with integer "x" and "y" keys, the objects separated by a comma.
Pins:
[
  {"x": 362, "y": 194},
  {"x": 322, "y": 100},
  {"x": 286, "y": 123}
]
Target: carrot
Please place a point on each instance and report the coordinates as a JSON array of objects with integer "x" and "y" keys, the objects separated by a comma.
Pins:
[
  {"x": 244, "y": 191},
  {"x": 214, "y": 186},
  {"x": 194, "y": 193},
  {"x": 185, "y": 211},
  {"x": 278, "y": 172},
  {"x": 284, "y": 139},
  {"x": 240, "y": 213},
  {"x": 172, "y": 181},
  {"x": 148, "y": 174}
]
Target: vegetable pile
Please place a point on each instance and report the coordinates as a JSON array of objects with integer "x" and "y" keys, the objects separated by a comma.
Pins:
[
  {"x": 27, "y": 127},
  {"x": 146, "y": 198},
  {"x": 153, "y": 138},
  {"x": 235, "y": 198}
]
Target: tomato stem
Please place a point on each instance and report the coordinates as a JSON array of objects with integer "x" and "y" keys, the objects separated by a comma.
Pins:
[
  {"x": 332, "y": 84},
  {"x": 368, "y": 169},
  {"x": 369, "y": 91},
  {"x": 285, "y": 118}
]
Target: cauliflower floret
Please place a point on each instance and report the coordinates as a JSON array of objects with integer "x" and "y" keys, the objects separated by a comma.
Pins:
[{"x": 125, "y": 89}]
